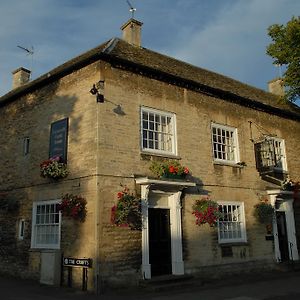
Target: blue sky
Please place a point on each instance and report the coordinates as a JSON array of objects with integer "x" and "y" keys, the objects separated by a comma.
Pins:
[{"x": 225, "y": 36}]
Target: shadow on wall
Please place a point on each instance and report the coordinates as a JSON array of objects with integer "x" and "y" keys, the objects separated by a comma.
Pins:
[{"x": 20, "y": 181}]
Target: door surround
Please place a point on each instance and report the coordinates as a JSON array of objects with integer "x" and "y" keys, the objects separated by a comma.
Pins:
[
  {"x": 173, "y": 190},
  {"x": 283, "y": 201}
]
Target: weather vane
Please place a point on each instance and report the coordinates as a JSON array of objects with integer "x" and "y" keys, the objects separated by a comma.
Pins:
[{"x": 132, "y": 9}]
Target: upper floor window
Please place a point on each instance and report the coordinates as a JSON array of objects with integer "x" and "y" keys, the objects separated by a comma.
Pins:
[
  {"x": 231, "y": 226},
  {"x": 225, "y": 144},
  {"x": 270, "y": 155},
  {"x": 158, "y": 131},
  {"x": 46, "y": 223}
]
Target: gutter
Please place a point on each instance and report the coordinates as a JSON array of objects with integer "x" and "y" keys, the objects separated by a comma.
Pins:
[
  {"x": 104, "y": 52},
  {"x": 197, "y": 87}
]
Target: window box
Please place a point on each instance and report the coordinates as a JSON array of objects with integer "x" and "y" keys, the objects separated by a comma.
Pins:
[{"x": 171, "y": 169}]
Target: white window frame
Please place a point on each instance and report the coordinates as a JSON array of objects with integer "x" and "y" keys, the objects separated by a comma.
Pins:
[
  {"x": 21, "y": 229},
  {"x": 34, "y": 243},
  {"x": 242, "y": 221},
  {"x": 172, "y": 134},
  {"x": 235, "y": 145}
]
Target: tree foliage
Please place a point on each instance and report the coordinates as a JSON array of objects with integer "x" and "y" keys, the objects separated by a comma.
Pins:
[{"x": 285, "y": 50}]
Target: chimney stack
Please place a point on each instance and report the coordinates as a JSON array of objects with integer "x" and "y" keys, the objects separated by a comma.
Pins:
[
  {"x": 20, "y": 77},
  {"x": 132, "y": 32},
  {"x": 276, "y": 86}
]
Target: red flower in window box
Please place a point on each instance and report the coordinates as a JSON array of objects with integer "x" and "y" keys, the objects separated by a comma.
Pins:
[{"x": 169, "y": 169}]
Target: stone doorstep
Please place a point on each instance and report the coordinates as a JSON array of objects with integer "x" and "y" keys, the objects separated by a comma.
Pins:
[
  {"x": 289, "y": 266},
  {"x": 181, "y": 282},
  {"x": 167, "y": 282}
]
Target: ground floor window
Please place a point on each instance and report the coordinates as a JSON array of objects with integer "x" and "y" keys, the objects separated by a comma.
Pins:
[
  {"x": 46, "y": 222},
  {"x": 231, "y": 226}
]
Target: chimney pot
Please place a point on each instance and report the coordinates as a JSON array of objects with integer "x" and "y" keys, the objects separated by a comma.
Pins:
[
  {"x": 132, "y": 32},
  {"x": 276, "y": 86},
  {"x": 20, "y": 77}
]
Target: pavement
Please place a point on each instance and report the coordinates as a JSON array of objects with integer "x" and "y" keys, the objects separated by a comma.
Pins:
[{"x": 268, "y": 286}]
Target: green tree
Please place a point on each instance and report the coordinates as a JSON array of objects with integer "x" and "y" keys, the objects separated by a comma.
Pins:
[{"x": 285, "y": 50}]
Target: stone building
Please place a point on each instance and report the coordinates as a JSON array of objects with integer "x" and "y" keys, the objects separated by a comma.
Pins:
[{"x": 113, "y": 111}]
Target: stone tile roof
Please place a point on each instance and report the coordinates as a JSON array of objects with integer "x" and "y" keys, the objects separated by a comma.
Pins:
[
  {"x": 193, "y": 74},
  {"x": 144, "y": 61}
]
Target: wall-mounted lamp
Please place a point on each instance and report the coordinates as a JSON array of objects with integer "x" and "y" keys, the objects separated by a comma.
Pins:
[{"x": 98, "y": 90}]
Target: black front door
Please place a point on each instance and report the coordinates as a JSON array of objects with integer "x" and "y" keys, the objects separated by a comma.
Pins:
[
  {"x": 159, "y": 241},
  {"x": 282, "y": 235}
]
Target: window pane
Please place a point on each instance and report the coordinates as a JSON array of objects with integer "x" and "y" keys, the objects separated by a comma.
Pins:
[
  {"x": 145, "y": 116},
  {"x": 145, "y": 125}
]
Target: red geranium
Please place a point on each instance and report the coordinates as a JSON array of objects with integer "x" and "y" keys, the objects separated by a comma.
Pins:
[
  {"x": 73, "y": 206},
  {"x": 127, "y": 212},
  {"x": 186, "y": 170},
  {"x": 169, "y": 167},
  {"x": 173, "y": 170},
  {"x": 206, "y": 211}
]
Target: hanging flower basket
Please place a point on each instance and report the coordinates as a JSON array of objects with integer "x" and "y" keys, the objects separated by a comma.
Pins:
[
  {"x": 206, "y": 211},
  {"x": 73, "y": 206},
  {"x": 264, "y": 212},
  {"x": 127, "y": 212},
  {"x": 169, "y": 169},
  {"x": 53, "y": 168},
  {"x": 10, "y": 205},
  {"x": 290, "y": 185}
]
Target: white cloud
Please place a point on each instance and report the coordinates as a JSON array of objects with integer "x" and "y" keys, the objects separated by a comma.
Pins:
[
  {"x": 234, "y": 42},
  {"x": 228, "y": 37}
]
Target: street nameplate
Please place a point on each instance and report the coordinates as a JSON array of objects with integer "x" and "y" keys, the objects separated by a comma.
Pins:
[{"x": 77, "y": 262}]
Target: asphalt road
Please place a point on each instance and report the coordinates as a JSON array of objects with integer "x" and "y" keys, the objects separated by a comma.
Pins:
[{"x": 281, "y": 286}]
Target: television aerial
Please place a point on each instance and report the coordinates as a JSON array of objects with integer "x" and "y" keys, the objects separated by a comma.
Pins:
[
  {"x": 132, "y": 9},
  {"x": 29, "y": 52}
]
